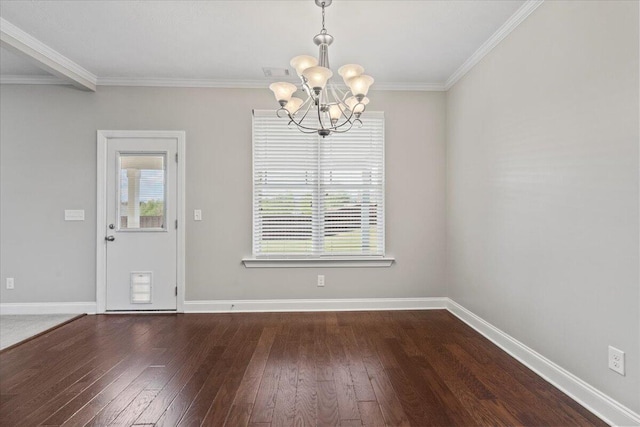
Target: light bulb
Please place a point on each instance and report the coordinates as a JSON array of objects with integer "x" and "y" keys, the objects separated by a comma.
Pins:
[
  {"x": 302, "y": 62},
  {"x": 283, "y": 91},
  {"x": 293, "y": 105},
  {"x": 334, "y": 112},
  {"x": 317, "y": 77},
  {"x": 359, "y": 85},
  {"x": 350, "y": 70}
]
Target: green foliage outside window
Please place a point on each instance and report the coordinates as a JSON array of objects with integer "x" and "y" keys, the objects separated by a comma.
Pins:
[{"x": 152, "y": 208}]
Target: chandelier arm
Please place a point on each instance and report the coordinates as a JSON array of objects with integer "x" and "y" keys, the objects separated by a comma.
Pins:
[
  {"x": 336, "y": 98},
  {"x": 299, "y": 123},
  {"x": 338, "y": 126},
  {"x": 342, "y": 102},
  {"x": 343, "y": 95},
  {"x": 279, "y": 110},
  {"x": 307, "y": 103},
  {"x": 339, "y": 130},
  {"x": 341, "y": 125},
  {"x": 302, "y": 130},
  {"x": 306, "y": 88},
  {"x": 347, "y": 120},
  {"x": 334, "y": 128}
]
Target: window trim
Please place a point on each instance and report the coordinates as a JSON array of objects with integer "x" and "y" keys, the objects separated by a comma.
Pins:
[{"x": 310, "y": 262}]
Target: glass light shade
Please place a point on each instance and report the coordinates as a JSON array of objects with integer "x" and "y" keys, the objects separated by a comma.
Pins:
[
  {"x": 283, "y": 90},
  {"x": 293, "y": 105},
  {"x": 352, "y": 103},
  {"x": 317, "y": 76},
  {"x": 302, "y": 62},
  {"x": 335, "y": 112},
  {"x": 350, "y": 70},
  {"x": 359, "y": 85}
]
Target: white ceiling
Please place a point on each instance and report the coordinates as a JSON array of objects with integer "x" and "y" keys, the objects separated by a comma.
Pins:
[{"x": 398, "y": 42}]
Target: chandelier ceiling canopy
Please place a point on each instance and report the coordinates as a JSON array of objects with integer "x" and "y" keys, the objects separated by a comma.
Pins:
[{"x": 327, "y": 108}]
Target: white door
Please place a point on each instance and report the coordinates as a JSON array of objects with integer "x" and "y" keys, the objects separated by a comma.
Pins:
[{"x": 141, "y": 221}]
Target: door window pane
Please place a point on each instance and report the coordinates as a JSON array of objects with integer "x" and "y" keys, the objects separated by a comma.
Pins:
[{"x": 142, "y": 190}]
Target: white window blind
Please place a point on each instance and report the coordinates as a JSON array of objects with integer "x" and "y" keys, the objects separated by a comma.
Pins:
[{"x": 314, "y": 196}]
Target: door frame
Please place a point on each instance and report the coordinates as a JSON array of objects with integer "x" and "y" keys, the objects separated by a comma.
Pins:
[{"x": 101, "y": 204}]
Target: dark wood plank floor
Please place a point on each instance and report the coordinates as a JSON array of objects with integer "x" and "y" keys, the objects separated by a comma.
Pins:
[{"x": 396, "y": 368}]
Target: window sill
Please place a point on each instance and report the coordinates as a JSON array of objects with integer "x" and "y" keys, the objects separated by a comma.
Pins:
[{"x": 317, "y": 262}]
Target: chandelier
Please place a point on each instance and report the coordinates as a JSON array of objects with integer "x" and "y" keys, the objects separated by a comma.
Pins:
[{"x": 327, "y": 108}]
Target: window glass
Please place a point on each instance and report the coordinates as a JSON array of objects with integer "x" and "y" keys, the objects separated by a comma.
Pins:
[{"x": 142, "y": 192}]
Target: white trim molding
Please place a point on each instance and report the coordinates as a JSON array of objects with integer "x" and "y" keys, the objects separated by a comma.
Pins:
[
  {"x": 201, "y": 83},
  {"x": 34, "y": 79},
  {"x": 317, "y": 262},
  {"x": 198, "y": 83},
  {"x": 409, "y": 86},
  {"x": 516, "y": 19},
  {"x": 10, "y": 308},
  {"x": 585, "y": 394},
  {"x": 44, "y": 57},
  {"x": 101, "y": 205},
  {"x": 178, "y": 82},
  {"x": 246, "y": 84},
  {"x": 284, "y": 305}
]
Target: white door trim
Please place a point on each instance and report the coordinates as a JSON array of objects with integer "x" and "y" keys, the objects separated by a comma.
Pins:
[{"x": 101, "y": 204}]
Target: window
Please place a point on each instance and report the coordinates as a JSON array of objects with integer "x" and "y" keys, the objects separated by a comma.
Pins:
[
  {"x": 315, "y": 197},
  {"x": 142, "y": 191}
]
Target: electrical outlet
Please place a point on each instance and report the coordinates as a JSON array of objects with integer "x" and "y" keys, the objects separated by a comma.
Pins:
[
  {"x": 197, "y": 215},
  {"x": 320, "y": 280},
  {"x": 10, "y": 283},
  {"x": 616, "y": 360}
]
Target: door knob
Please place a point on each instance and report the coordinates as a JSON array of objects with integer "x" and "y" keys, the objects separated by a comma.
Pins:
[{"x": 109, "y": 238}]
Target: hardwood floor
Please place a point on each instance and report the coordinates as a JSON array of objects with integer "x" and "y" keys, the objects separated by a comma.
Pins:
[{"x": 396, "y": 368}]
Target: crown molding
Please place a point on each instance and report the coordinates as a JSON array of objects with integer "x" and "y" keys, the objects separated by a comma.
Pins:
[
  {"x": 11, "y": 79},
  {"x": 177, "y": 82},
  {"x": 516, "y": 19},
  {"x": 242, "y": 84},
  {"x": 50, "y": 60},
  {"x": 199, "y": 83},
  {"x": 425, "y": 87}
]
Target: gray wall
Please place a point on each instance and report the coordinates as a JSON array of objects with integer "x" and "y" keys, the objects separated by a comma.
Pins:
[
  {"x": 48, "y": 156},
  {"x": 542, "y": 189}
]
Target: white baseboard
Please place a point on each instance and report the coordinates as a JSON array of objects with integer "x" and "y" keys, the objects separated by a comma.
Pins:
[
  {"x": 588, "y": 396},
  {"x": 244, "y": 306},
  {"x": 47, "y": 308}
]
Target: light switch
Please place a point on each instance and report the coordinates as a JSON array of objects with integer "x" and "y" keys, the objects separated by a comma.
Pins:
[
  {"x": 197, "y": 215},
  {"x": 74, "y": 215}
]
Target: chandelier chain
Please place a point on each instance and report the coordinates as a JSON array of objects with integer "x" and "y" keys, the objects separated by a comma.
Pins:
[{"x": 324, "y": 30}]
